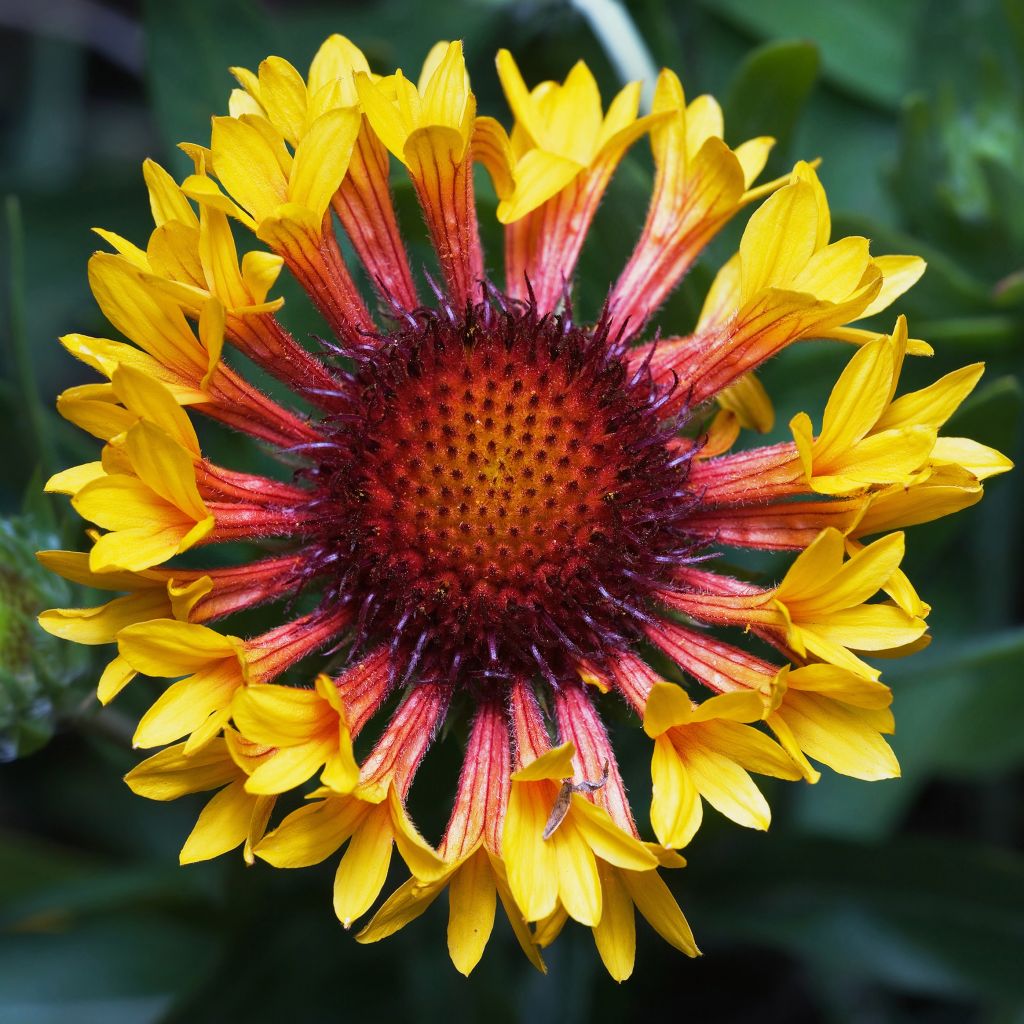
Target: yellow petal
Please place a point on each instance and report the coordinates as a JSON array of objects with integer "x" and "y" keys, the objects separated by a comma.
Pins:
[
  {"x": 147, "y": 317},
  {"x": 287, "y": 768},
  {"x": 472, "y": 900},
  {"x": 606, "y": 839},
  {"x": 337, "y": 60},
  {"x": 579, "y": 888},
  {"x": 404, "y": 905},
  {"x": 752, "y": 156},
  {"x": 514, "y": 914},
  {"x": 615, "y": 933},
  {"x": 169, "y": 774},
  {"x": 739, "y": 706},
  {"x": 748, "y": 399},
  {"x": 418, "y": 855},
  {"x": 676, "y": 811},
  {"x": 899, "y": 274},
  {"x": 778, "y": 240},
  {"x": 71, "y": 481},
  {"x": 282, "y": 94},
  {"x": 149, "y": 399},
  {"x": 531, "y": 864},
  {"x": 519, "y": 99},
  {"x": 856, "y": 402},
  {"x": 101, "y": 625},
  {"x": 750, "y": 748},
  {"x": 667, "y": 705},
  {"x": 364, "y": 866},
  {"x": 223, "y": 824},
  {"x": 247, "y": 165},
  {"x": 839, "y": 736},
  {"x": 538, "y": 176},
  {"x": 312, "y": 833},
  {"x": 727, "y": 787},
  {"x": 114, "y": 678},
  {"x": 554, "y": 764},
  {"x": 281, "y": 715},
  {"x": 491, "y": 147},
  {"x": 322, "y": 158},
  {"x": 654, "y": 900},
  {"x": 933, "y": 405},
  {"x": 387, "y": 122},
  {"x": 166, "y": 467},
  {"x": 260, "y": 270},
  {"x": 166, "y": 647},
  {"x": 166, "y": 199},
  {"x": 187, "y": 705},
  {"x": 977, "y": 458}
]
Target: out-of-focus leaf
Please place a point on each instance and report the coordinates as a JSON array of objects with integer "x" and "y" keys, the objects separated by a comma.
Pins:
[
  {"x": 86, "y": 940},
  {"x": 126, "y": 967},
  {"x": 768, "y": 92},
  {"x": 191, "y": 46},
  {"x": 945, "y": 280},
  {"x": 940, "y": 918},
  {"x": 864, "y": 45},
  {"x": 43, "y": 883},
  {"x": 957, "y": 716},
  {"x": 991, "y": 415}
]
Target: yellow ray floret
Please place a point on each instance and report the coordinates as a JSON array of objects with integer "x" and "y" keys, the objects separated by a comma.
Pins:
[
  {"x": 214, "y": 665},
  {"x": 836, "y": 717},
  {"x": 623, "y": 892},
  {"x": 867, "y": 436},
  {"x": 292, "y": 105},
  {"x": 309, "y": 730},
  {"x": 426, "y": 122},
  {"x": 233, "y": 816},
  {"x": 822, "y": 606},
  {"x": 704, "y": 751},
  {"x": 151, "y": 595},
  {"x": 109, "y": 411},
  {"x": 788, "y": 282},
  {"x": 561, "y": 869},
  {"x": 146, "y": 495},
  {"x": 315, "y": 831},
  {"x": 193, "y": 259},
  {"x": 474, "y": 882},
  {"x": 560, "y": 133},
  {"x": 280, "y": 195},
  {"x": 168, "y": 349}
]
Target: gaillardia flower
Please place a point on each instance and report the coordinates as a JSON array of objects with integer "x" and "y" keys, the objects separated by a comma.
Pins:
[{"x": 486, "y": 509}]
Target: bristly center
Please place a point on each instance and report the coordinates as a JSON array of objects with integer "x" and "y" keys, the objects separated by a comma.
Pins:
[{"x": 502, "y": 498}]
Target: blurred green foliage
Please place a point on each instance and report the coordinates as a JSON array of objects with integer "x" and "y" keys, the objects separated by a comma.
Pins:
[{"x": 896, "y": 901}]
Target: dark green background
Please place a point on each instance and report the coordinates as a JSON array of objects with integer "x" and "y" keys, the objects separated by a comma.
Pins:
[{"x": 895, "y": 901}]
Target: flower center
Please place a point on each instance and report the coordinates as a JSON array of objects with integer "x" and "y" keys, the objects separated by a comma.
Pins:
[{"x": 505, "y": 492}]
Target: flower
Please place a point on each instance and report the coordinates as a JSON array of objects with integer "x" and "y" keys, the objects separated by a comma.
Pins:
[{"x": 489, "y": 508}]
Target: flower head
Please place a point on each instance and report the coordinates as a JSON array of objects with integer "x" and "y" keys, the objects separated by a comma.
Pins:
[{"x": 488, "y": 506}]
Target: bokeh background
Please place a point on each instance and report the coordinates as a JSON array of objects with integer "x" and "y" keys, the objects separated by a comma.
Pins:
[{"x": 895, "y": 901}]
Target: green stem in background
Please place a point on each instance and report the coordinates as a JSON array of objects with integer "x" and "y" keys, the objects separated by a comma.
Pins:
[
  {"x": 993, "y": 330},
  {"x": 622, "y": 43},
  {"x": 24, "y": 368}
]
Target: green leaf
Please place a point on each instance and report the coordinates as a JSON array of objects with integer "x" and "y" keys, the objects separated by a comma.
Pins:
[
  {"x": 865, "y": 46},
  {"x": 768, "y": 93},
  {"x": 957, "y": 715},
  {"x": 935, "y": 917},
  {"x": 991, "y": 415},
  {"x": 191, "y": 45}
]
